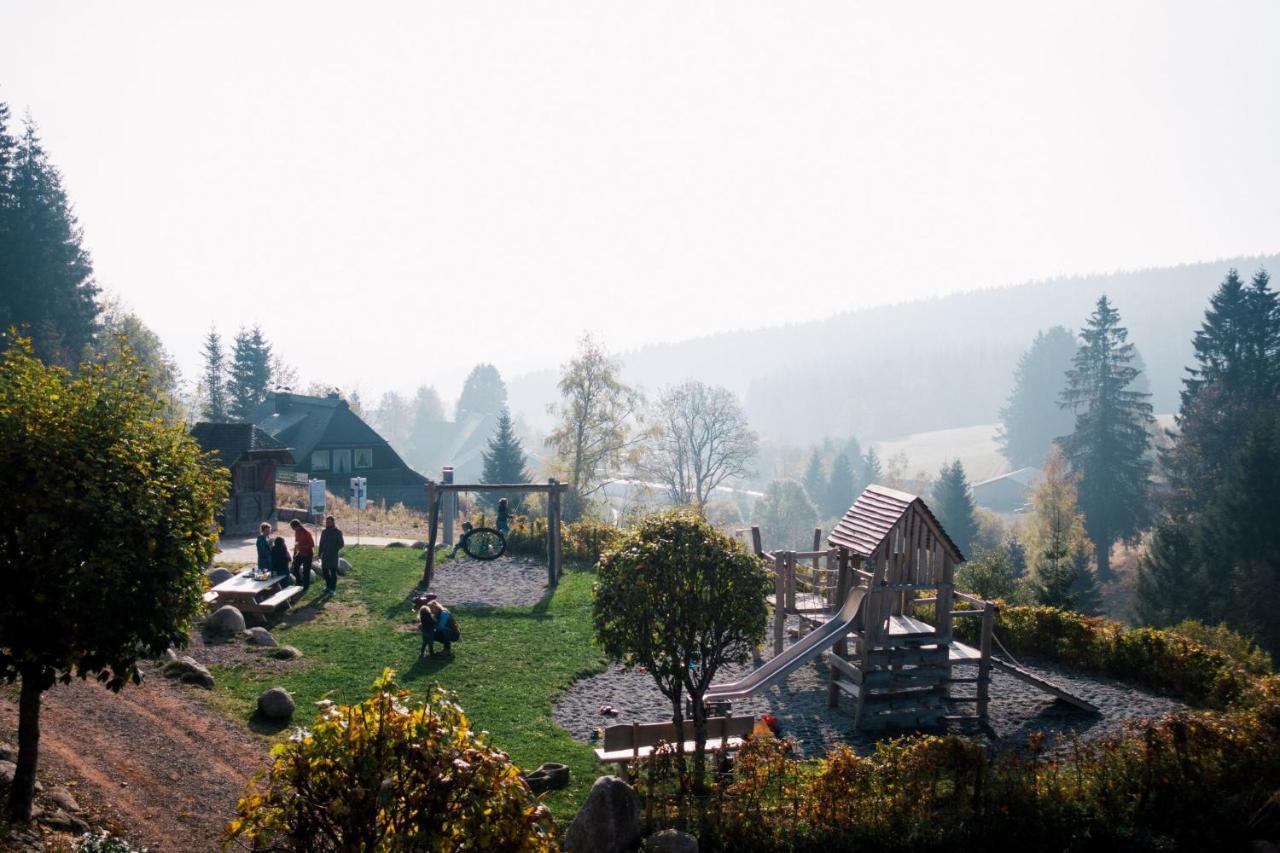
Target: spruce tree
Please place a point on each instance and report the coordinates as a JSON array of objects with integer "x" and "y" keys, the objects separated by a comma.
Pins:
[
  {"x": 1031, "y": 419},
  {"x": 1057, "y": 543},
  {"x": 214, "y": 407},
  {"x": 815, "y": 480},
  {"x": 952, "y": 504},
  {"x": 250, "y": 375},
  {"x": 841, "y": 490},
  {"x": 1108, "y": 447},
  {"x": 46, "y": 276},
  {"x": 1171, "y": 584},
  {"x": 504, "y": 462},
  {"x": 871, "y": 470}
]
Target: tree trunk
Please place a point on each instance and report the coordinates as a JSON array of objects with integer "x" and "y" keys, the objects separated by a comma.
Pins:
[
  {"x": 23, "y": 790},
  {"x": 699, "y": 745},
  {"x": 1103, "y": 552},
  {"x": 677, "y": 717}
]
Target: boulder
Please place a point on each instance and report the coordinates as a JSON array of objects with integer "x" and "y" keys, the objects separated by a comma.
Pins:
[
  {"x": 420, "y": 545},
  {"x": 62, "y": 798},
  {"x": 261, "y": 637},
  {"x": 276, "y": 704},
  {"x": 609, "y": 820},
  {"x": 169, "y": 654},
  {"x": 287, "y": 652},
  {"x": 7, "y": 771},
  {"x": 189, "y": 671},
  {"x": 226, "y": 619},
  {"x": 397, "y": 544},
  {"x": 671, "y": 841},
  {"x": 218, "y": 575},
  {"x": 63, "y": 822},
  {"x": 344, "y": 568},
  {"x": 8, "y": 752}
]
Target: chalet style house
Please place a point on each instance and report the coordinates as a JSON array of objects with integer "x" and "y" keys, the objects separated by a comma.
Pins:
[
  {"x": 330, "y": 442},
  {"x": 253, "y": 458}
]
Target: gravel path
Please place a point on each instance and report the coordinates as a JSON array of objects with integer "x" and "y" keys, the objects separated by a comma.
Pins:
[
  {"x": 506, "y": 581},
  {"x": 800, "y": 704}
]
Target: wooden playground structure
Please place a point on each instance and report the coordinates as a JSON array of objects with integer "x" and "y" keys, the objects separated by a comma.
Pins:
[{"x": 882, "y": 598}]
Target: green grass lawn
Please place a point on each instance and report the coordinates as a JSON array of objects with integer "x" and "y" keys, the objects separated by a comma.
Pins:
[{"x": 507, "y": 671}]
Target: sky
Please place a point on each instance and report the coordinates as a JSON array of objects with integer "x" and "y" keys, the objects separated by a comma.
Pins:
[{"x": 395, "y": 192}]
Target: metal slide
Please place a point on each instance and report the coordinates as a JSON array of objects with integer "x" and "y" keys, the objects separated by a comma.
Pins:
[{"x": 795, "y": 655}]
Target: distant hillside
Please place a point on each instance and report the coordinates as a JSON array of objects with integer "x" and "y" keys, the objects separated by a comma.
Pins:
[{"x": 920, "y": 366}]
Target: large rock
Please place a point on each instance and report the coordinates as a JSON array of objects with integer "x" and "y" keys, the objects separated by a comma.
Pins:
[
  {"x": 671, "y": 841},
  {"x": 226, "y": 619},
  {"x": 7, "y": 771},
  {"x": 261, "y": 637},
  {"x": 344, "y": 568},
  {"x": 218, "y": 574},
  {"x": 63, "y": 822},
  {"x": 276, "y": 704},
  {"x": 62, "y": 798},
  {"x": 609, "y": 820},
  {"x": 8, "y": 752},
  {"x": 287, "y": 652},
  {"x": 189, "y": 671}
]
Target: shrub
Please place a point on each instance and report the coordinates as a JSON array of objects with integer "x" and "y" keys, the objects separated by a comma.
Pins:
[
  {"x": 581, "y": 542},
  {"x": 1236, "y": 646},
  {"x": 390, "y": 774}
]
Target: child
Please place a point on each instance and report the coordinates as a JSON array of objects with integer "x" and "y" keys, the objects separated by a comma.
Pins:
[
  {"x": 437, "y": 622},
  {"x": 279, "y": 557},
  {"x": 504, "y": 517}
]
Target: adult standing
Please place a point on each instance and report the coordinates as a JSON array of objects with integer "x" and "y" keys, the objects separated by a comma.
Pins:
[
  {"x": 264, "y": 549},
  {"x": 304, "y": 546},
  {"x": 331, "y": 543}
]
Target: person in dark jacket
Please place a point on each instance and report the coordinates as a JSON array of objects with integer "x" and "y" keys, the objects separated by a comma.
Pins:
[
  {"x": 264, "y": 549},
  {"x": 330, "y": 544},
  {"x": 279, "y": 557}
]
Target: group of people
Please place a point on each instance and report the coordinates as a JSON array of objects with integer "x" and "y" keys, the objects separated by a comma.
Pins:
[{"x": 274, "y": 558}]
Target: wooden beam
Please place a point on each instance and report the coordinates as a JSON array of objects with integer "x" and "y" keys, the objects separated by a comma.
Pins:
[
  {"x": 524, "y": 488},
  {"x": 433, "y": 516}
]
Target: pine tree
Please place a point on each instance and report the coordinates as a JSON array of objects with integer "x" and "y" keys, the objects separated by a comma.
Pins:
[
  {"x": 214, "y": 407},
  {"x": 871, "y": 470},
  {"x": 483, "y": 394},
  {"x": 46, "y": 276},
  {"x": 1031, "y": 419},
  {"x": 815, "y": 480},
  {"x": 504, "y": 462},
  {"x": 841, "y": 491},
  {"x": 250, "y": 375},
  {"x": 1057, "y": 543},
  {"x": 1171, "y": 584},
  {"x": 1108, "y": 447},
  {"x": 953, "y": 506}
]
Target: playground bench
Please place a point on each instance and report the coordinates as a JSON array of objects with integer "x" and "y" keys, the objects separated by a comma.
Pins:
[{"x": 629, "y": 742}]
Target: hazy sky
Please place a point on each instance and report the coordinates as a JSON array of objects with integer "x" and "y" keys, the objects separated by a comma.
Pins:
[{"x": 397, "y": 191}]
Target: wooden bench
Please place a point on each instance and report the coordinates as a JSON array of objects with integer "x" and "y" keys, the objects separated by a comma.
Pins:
[
  {"x": 632, "y": 741},
  {"x": 284, "y": 596}
]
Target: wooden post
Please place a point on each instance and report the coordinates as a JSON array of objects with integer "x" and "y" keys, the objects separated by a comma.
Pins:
[
  {"x": 791, "y": 580},
  {"x": 433, "y": 515},
  {"x": 756, "y": 543},
  {"x": 984, "y": 662},
  {"x": 450, "y": 504},
  {"x": 779, "y": 600},
  {"x": 553, "y": 533},
  {"x": 841, "y": 649}
]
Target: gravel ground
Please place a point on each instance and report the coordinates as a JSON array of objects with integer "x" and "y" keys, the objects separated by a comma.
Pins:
[
  {"x": 506, "y": 581},
  {"x": 800, "y": 704}
]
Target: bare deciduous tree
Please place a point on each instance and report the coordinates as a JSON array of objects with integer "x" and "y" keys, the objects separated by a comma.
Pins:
[{"x": 701, "y": 439}]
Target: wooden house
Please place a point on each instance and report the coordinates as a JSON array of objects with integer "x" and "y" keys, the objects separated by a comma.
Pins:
[
  {"x": 332, "y": 443},
  {"x": 252, "y": 457},
  {"x": 1009, "y": 492}
]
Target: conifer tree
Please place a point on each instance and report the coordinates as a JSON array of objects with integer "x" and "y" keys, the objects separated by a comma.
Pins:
[
  {"x": 871, "y": 470},
  {"x": 953, "y": 505},
  {"x": 1171, "y": 584},
  {"x": 1057, "y": 543},
  {"x": 841, "y": 490},
  {"x": 1031, "y": 419},
  {"x": 504, "y": 462},
  {"x": 815, "y": 480},
  {"x": 1108, "y": 447},
  {"x": 46, "y": 276},
  {"x": 214, "y": 407},
  {"x": 250, "y": 374}
]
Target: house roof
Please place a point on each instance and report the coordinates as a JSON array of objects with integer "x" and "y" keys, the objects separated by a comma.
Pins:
[
  {"x": 1028, "y": 477},
  {"x": 873, "y": 515},
  {"x": 232, "y": 442}
]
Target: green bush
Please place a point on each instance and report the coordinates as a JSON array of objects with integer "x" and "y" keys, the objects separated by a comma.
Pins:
[
  {"x": 1234, "y": 645},
  {"x": 581, "y": 542}
]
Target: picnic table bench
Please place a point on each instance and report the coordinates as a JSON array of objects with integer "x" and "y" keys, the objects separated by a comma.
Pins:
[
  {"x": 250, "y": 594},
  {"x": 628, "y": 742}
]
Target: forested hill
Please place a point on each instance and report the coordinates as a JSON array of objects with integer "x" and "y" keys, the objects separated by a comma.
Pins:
[{"x": 936, "y": 364}]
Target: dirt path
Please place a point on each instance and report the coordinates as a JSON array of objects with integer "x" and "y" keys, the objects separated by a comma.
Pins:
[{"x": 153, "y": 763}]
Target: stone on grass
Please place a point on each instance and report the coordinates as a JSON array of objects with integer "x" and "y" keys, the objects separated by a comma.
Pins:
[
  {"x": 397, "y": 544},
  {"x": 62, "y": 798},
  {"x": 287, "y": 652},
  {"x": 226, "y": 619},
  {"x": 218, "y": 574},
  {"x": 63, "y": 822},
  {"x": 276, "y": 704},
  {"x": 261, "y": 637},
  {"x": 420, "y": 545},
  {"x": 189, "y": 671},
  {"x": 344, "y": 568},
  {"x": 609, "y": 820},
  {"x": 671, "y": 841}
]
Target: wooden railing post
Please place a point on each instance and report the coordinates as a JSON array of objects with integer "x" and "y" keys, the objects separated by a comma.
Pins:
[
  {"x": 553, "y": 532},
  {"x": 984, "y": 661},
  {"x": 450, "y": 505},
  {"x": 779, "y": 600},
  {"x": 757, "y": 543},
  {"x": 433, "y": 516},
  {"x": 841, "y": 649}
]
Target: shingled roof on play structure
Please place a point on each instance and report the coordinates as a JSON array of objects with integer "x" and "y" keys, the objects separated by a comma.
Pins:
[{"x": 873, "y": 516}]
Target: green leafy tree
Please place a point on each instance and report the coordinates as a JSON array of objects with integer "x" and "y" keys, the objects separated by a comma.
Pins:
[
  {"x": 990, "y": 575},
  {"x": 250, "y": 375},
  {"x": 683, "y": 601},
  {"x": 214, "y": 406},
  {"x": 815, "y": 479},
  {"x": 1058, "y": 544},
  {"x": 841, "y": 487},
  {"x": 394, "y": 419},
  {"x": 786, "y": 516},
  {"x": 104, "y": 559},
  {"x": 124, "y": 332},
  {"x": 504, "y": 462},
  {"x": 483, "y": 394},
  {"x": 1109, "y": 445},
  {"x": 953, "y": 505},
  {"x": 1031, "y": 419},
  {"x": 46, "y": 275},
  {"x": 397, "y": 772},
  {"x": 596, "y": 432}
]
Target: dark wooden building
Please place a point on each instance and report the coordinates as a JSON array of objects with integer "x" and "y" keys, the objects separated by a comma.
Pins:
[
  {"x": 253, "y": 458},
  {"x": 330, "y": 442}
]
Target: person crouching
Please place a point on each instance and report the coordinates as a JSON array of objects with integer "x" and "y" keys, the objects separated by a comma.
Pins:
[{"x": 436, "y": 623}]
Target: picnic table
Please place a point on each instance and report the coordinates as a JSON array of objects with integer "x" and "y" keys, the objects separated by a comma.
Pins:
[{"x": 250, "y": 594}]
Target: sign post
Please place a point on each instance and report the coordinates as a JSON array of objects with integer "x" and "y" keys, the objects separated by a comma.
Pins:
[{"x": 359, "y": 497}]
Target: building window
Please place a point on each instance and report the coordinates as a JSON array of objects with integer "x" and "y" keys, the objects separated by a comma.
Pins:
[
  {"x": 364, "y": 457},
  {"x": 320, "y": 460}
]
